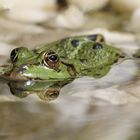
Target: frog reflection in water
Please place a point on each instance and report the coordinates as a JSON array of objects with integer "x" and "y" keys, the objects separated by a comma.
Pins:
[{"x": 46, "y": 70}]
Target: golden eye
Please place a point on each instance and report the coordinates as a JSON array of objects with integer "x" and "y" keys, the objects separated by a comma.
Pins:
[{"x": 51, "y": 60}]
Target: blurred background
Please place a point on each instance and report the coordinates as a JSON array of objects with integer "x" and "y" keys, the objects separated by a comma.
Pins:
[{"x": 87, "y": 109}]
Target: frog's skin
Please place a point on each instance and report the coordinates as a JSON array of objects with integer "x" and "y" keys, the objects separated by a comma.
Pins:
[{"x": 46, "y": 70}]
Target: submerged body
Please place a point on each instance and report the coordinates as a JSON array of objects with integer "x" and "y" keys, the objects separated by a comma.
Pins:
[{"x": 46, "y": 70}]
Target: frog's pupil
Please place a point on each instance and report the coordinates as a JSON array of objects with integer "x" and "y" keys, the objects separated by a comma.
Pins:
[
  {"x": 75, "y": 43},
  {"x": 13, "y": 55},
  {"x": 97, "y": 46},
  {"x": 53, "y": 57}
]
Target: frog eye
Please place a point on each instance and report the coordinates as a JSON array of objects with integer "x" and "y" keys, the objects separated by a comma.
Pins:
[
  {"x": 75, "y": 43},
  {"x": 51, "y": 59},
  {"x": 14, "y": 54},
  {"x": 97, "y": 46}
]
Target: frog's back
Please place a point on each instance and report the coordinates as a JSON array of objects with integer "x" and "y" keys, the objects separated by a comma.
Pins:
[
  {"x": 70, "y": 47},
  {"x": 85, "y": 53},
  {"x": 88, "y": 50},
  {"x": 88, "y": 54}
]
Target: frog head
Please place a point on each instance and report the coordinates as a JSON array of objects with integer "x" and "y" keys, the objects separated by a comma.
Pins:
[
  {"x": 42, "y": 73},
  {"x": 28, "y": 64}
]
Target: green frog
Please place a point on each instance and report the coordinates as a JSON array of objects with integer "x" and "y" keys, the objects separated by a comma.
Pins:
[{"x": 46, "y": 70}]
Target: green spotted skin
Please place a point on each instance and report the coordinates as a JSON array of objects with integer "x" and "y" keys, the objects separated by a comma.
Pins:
[
  {"x": 89, "y": 57},
  {"x": 46, "y": 70}
]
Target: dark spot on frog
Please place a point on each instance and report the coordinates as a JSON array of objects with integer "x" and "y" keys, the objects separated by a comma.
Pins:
[
  {"x": 83, "y": 61},
  {"x": 96, "y": 37},
  {"x": 97, "y": 46},
  {"x": 75, "y": 43},
  {"x": 92, "y": 37}
]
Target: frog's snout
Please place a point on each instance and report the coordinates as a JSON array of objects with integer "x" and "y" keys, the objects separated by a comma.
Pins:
[{"x": 20, "y": 53}]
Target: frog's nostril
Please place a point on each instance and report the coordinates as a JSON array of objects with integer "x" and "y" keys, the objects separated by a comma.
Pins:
[{"x": 14, "y": 54}]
